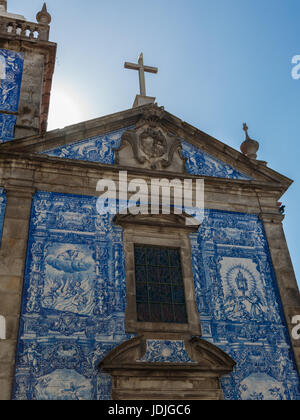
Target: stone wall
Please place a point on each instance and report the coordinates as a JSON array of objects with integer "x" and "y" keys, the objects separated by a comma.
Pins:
[
  {"x": 32, "y": 64},
  {"x": 12, "y": 263},
  {"x": 31, "y": 93}
]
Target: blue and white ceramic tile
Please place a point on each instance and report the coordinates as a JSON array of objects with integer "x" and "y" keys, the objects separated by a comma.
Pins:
[
  {"x": 240, "y": 308},
  {"x": 75, "y": 297},
  {"x": 166, "y": 351},
  {"x": 101, "y": 150},
  {"x": 98, "y": 149},
  {"x": 7, "y": 127},
  {"x": 74, "y": 300},
  {"x": 11, "y": 71},
  {"x": 2, "y": 210},
  {"x": 201, "y": 163}
]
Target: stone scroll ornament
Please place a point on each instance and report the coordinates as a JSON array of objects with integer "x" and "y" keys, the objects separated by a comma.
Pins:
[{"x": 150, "y": 146}]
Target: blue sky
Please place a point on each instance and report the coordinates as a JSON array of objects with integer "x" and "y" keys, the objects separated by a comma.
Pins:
[{"x": 221, "y": 63}]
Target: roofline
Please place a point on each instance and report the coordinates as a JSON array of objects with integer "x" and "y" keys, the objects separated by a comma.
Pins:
[{"x": 129, "y": 117}]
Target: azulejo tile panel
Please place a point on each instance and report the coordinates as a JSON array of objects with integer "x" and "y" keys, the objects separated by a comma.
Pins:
[
  {"x": 74, "y": 304},
  {"x": 74, "y": 300},
  {"x": 98, "y": 149},
  {"x": 166, "y": 351},
  {"x": 2, "y": 210},
  {"x": 202, "y": 163},
  {"x": 11, "y": 71},
  {"x": 240, "y": 308},
  {"x": 7, "y": 127}
]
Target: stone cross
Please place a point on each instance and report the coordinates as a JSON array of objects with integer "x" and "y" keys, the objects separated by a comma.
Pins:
[
  {"x": 141, "y": 69},
  {"x": 245, "y": 128}
]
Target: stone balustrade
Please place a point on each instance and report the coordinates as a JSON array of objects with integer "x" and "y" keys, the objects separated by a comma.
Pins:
[{"x": 24, "y": 29}]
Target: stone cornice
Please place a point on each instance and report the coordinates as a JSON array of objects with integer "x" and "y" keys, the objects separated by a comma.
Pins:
[
  {"x": 208, "y": 358},
  {"x": 19, "y": 191},
  {"x": 172, "y": 124},
  {"x": 60, "y": 165},
  {"x": 174, "y": 221},
  {"x": 271, "y": 217}
]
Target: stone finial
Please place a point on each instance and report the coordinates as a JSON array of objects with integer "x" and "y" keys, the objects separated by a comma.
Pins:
[
  {"x": 43, "y": 16},
  {"x": 249, "y": 147}
]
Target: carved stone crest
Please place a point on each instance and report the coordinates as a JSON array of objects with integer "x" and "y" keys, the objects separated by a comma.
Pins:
[
  {"x": 153, "y": 143},
  {"x": 150, "y": 146}
]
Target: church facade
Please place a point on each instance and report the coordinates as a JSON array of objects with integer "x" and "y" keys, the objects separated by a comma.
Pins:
[{"x": 123, "y": 305}]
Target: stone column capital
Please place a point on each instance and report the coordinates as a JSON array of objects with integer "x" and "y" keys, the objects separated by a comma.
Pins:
[
  {"x": 19, "y": 191},
  {"x": 275, "y": 218}
]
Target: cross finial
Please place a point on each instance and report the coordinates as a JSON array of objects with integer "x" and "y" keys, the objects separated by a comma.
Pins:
[
  {"x": 141, "y": 69},
  {"x": 249, "y": 147},
  {"x": 246, "y": 128}
]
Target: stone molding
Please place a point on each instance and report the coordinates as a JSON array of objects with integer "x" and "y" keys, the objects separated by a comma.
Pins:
[
  {"x": 275, "y": 218},
  {"x": 171, "y": 124},
  {"x": 134, "y": 379},
  {"x": 160, "y": 230},
  {"x": 175, "y": 221}
]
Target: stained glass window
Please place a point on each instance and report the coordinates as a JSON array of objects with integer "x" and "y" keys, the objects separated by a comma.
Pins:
[{"x": 160, "y": 293}]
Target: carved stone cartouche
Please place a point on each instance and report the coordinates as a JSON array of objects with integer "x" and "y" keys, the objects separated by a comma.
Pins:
[{"x": 150, "y": 146}]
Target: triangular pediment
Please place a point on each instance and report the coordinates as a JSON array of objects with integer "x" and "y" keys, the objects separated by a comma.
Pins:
[
  {"x": 202, "y": 163},
  {"x": 202, "y": 356},
  {"x": 147, "y": 368},
  {"x": 146, "y": 138},
  {"x": 96, "y": 149}
]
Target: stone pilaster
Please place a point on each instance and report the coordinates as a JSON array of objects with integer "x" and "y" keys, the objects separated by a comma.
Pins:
[
  {"x": 12, "y": 261},
  {"x": 284, "y": 272}
]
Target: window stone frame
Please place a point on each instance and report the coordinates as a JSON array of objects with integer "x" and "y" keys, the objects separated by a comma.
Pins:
[{"x": 165, "y": 231}]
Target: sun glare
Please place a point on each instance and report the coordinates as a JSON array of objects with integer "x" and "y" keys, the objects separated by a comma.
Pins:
[{"x": 66, "y": 108}]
